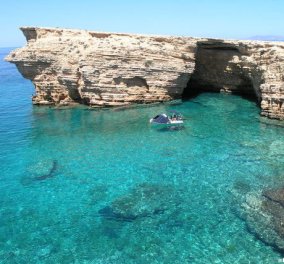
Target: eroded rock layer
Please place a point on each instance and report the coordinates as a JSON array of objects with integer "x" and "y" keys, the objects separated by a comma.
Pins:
[
  {"x": 109, "y": 69},
  {"x": 103, "y": 69}
]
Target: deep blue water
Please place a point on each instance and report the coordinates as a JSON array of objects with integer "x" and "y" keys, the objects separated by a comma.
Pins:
[{"x": 61, "y": 171}]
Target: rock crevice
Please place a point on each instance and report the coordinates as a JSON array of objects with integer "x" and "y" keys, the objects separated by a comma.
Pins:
[{"x": 111, "y": 69}]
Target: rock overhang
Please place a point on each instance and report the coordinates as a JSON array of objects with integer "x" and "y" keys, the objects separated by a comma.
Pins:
[{"x": 112, "y": 69}]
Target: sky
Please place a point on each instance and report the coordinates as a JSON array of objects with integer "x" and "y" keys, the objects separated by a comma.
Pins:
[{"x": 229, "y": 19}]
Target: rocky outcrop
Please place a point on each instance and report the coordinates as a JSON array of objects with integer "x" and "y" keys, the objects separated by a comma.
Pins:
[
  {"x": 102, "y": 69},
  {"x": 144, "y": 200},
  {"x": 110, "y": 69},
  {"x": 243, "y": 67},
  {"x": 264, "y": 215}
]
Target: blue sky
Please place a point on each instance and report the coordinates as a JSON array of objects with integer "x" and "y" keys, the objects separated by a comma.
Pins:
[{"x": 235, "y": 19}]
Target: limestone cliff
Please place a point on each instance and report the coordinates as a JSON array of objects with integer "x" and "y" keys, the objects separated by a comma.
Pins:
[{"x": 111, "y": 69}]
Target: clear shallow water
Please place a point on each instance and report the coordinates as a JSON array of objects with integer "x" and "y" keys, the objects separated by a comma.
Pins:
[{"x": 59, "y": 168}]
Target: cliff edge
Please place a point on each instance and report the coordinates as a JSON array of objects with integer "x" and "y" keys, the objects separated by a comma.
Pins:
[{"x": 112, "y": 69}]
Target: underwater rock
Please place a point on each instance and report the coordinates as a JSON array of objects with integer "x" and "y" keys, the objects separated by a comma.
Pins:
[
  {"x": 242, "y": 187},
  {"x": 276, "y": 196},
  {"x": 145, "y": 200},
  {"x": 264, "y": 215},
  {"x": 50, "y": 174},
  {"x": 40, "y": 171}
]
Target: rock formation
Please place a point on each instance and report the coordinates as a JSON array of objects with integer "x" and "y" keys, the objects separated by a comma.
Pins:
[
  {"x": 145, "y": 200},
  {"x": 111, "y": 69},
  {"x": 264, "y": 215}
]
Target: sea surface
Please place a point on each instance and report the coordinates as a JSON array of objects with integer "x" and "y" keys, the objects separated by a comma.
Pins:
[{"x": 103, "y": 186}]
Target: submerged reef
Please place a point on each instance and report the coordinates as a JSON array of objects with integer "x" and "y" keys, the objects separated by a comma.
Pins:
[
  {"x": 40, "y": 171},
  {"x": 263, "y": 213},
  {"x": 145, "y": 200},
  {"x": 110, "y": 69}
]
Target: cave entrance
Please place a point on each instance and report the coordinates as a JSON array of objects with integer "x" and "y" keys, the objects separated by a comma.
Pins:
[{"x": 215, "y": 71}]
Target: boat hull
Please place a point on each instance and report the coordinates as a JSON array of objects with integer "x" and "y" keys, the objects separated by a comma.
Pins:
[{"x": 171, "y": 123}]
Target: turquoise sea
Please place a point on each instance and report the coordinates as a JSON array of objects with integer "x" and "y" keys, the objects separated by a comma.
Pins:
[{"x": 103, "y": 186}]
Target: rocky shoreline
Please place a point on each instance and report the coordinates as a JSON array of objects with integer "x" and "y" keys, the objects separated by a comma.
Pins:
[{"x": 111, "y": 69}]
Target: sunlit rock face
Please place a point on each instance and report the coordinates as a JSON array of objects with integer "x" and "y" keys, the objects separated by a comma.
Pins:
[
  {"x": 110, "y": 69},
  {"x": 102, "y": 69}
]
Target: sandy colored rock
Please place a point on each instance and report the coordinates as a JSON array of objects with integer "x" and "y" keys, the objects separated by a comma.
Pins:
[{"x": 111, "y": 69}]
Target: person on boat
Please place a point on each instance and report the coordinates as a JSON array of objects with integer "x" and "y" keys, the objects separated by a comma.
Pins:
[{"x": 174, "y": 118}]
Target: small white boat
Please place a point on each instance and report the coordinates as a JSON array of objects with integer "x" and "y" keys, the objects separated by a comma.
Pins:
[{"x": 163, "y": 119}]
